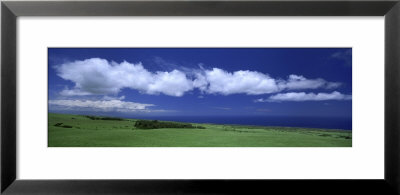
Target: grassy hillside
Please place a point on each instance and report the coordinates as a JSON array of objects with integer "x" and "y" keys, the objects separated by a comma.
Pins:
[{"x": 82, "y": 131}]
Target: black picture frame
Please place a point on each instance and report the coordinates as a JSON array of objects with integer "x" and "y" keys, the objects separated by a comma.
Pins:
[{"x": 10, "y": 10}]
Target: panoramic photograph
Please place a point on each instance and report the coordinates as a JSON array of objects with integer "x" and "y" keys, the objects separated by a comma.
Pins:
[{"x": 199, "y": 97}]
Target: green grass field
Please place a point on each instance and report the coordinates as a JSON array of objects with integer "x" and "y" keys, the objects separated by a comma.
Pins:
[{"x": 81, "y": 131}]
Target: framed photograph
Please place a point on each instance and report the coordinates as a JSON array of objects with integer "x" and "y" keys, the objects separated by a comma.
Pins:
[
  {"x": 170, "y": 99},
  {"x": 199, "y": 97}
]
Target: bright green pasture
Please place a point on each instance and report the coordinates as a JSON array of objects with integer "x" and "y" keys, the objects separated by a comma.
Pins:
[{"x": 107, "y": 133}]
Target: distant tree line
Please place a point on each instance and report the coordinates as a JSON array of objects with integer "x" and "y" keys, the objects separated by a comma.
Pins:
[
  {"x": 155, "y": 124},
  {"x": 104, "y": 118}
]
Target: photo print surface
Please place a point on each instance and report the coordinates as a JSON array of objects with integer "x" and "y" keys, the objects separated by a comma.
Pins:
[{"x": 199, "y": 97}]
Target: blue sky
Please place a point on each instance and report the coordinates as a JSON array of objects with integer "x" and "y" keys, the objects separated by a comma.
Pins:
[{"x": 201, "y": 81}]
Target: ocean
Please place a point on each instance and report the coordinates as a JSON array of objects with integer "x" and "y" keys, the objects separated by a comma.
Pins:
[{"x": 344, "y": 123}]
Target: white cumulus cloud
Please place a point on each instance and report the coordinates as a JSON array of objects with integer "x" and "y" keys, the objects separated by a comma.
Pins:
[
  {"x": 298, "y": 82},
  {"x": 218, "y": 81},
  {"x": 302, "y": 96},
  {"x": 101, "y": 105},
  {"x": 97, "y": 76},
  {"x": 243, "y": 81},
  {"x": 172, "y": 83}
]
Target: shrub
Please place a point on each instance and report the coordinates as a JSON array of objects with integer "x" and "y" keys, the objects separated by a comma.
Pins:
[
  {"x": 104, "y": 118},
  {"x": 155, "y": 124},
  {"x": 61, "y": 125},
  {"x": 66, "y": 126}
]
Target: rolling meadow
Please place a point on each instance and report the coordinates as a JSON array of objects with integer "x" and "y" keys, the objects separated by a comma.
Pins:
[{"x": 86, "y": 131}]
